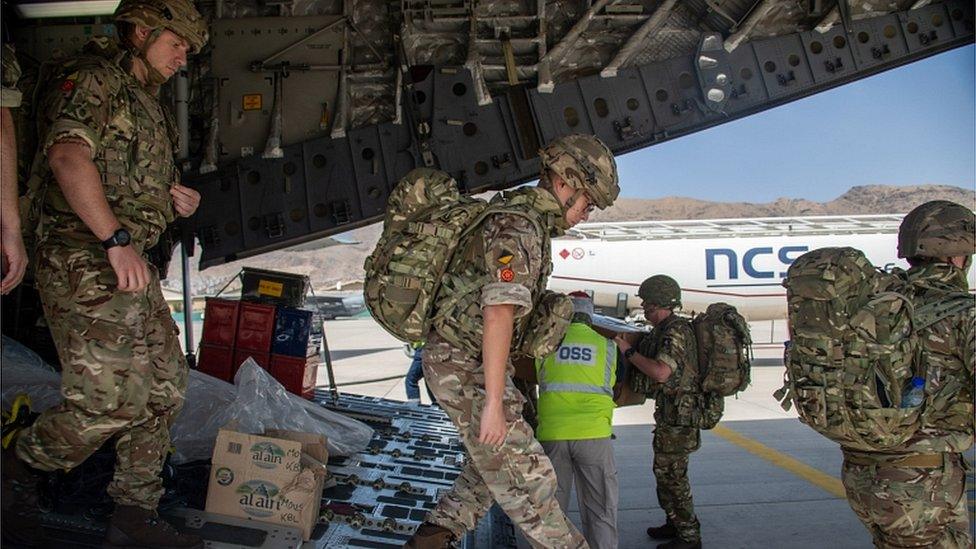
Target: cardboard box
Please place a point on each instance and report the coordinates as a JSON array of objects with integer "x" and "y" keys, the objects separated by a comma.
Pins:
[{"x": 268, "y": 479}]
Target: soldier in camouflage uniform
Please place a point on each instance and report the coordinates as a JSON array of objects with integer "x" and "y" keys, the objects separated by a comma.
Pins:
[
  {"x": 669, "y": 357},
  {"x": 914, "y": 496},
  {"x": 14, "y": 256},
  {"x": 481, "y": 314},
  {"x": 105, "y": 187}
]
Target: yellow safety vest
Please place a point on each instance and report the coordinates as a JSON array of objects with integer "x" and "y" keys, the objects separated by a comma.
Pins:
[{"x": 576, "y": 387}]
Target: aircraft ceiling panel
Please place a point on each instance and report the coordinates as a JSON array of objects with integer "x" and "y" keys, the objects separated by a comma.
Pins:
[
  {"x": 926, "y": 26},
  {"x": 262, "y": 191},
  {"x": 784, "y": 64},
  {"x": 675, "y": 94},
  {"x": 747, "y": 84},
  {"x": 398, "y": 150},
  {"x": 217, "y": 222},
  {"x": 829, "y": 53},
  {"x": 877, "y": 41},
  {"x": 618, "y": 107},
  {"x": 368, "y": 150},
  {"x": 961, "y": 15},
  {"x": 333, "y": 197},
  {"x": 560, "y": 113},
  {"x": 472, "y": 141}
]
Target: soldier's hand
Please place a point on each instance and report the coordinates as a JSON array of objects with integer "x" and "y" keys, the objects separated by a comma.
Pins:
[
  {"x": 185, "y": 199},
  {"x": 129, "y": 267},
  {"x": 14, "y": 258},
  {"x": 622, "y": 343},
  {"x": 493, "y": 425}
]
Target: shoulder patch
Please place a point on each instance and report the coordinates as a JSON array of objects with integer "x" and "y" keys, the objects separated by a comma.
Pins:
[
  {"x": 505, "y": 258},
  {"x": 506, "y": 275}
]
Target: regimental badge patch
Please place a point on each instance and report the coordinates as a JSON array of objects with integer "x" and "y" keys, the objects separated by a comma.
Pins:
[
  {"x": 506, "y": 275},
  {"x": 505, "y": 259}
]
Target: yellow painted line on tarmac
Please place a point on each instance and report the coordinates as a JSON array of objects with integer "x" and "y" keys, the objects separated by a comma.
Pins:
[{"x": 814, "y": 476}]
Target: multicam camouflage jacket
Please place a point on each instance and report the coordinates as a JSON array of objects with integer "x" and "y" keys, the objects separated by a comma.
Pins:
[
  {"x": 9, "y": 94},
  {"x": 948, "y": 356},
  {"x": 94, "y": 98},
  {"x": 507, "y": 261}
]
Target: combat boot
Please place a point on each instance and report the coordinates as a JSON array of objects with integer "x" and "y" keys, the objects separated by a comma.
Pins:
[
  {"x": 21, "y": 493},
  {"x": 665, "y": 531},
  {"x": 678, "y": 543},
  {"x": 430, "y": 536},
  {"x": 134, "y": 527}
]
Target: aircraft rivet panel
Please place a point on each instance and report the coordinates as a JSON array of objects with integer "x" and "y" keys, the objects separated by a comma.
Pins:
[
  {"x": 878, "y": 40},
  {"x": 472, "y": 141},
  {"x": 560, "y": 113},
  {"x": 217, "y": 222},
  {"x": 829, "y": 53},
  {"x": 926, "y": 27},
  {"x": 747, "y": 86},
  {"x": 260, "y": 186},
  {"x": 368, "y": 152},
  {"x": 783, "y": 65},
  {"x": 675, "y": 95},
  {"x": 961, "y": 16},
  {"x": 398, "y": 151},
  {"x": 332, "y": 195},
  {"x": 618, "y": 107},
  {"x": 273, "y": 197}
]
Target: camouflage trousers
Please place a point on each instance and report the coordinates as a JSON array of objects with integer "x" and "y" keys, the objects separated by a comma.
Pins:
[
  {"x": 911, "y": 506},
  {"x": 517, "y": 475},
  {"x": 123, "y": 374},
  {"x": 672, "y": 448}
]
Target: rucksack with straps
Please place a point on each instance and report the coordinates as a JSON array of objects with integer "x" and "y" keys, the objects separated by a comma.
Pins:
[
  {"x": 724, "y": 350},
  {"x": 855, "y": 347},
  {"x": 426, "y": 218},
  {"x": 427, "y": 222},
  {"x": 724, "y": 353}
]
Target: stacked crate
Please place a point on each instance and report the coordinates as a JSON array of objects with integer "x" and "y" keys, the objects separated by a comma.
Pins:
[
  {"x": 274, "y": 334},
  {"x": 294, "y": 362}
]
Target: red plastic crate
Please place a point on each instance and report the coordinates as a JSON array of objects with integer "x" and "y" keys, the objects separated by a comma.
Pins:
[
  {"x": 255, "y": 327},
  {"x": 217, "y": 361},
  {"x": 220, "y": 322},
  {"x": 298, "y": 375},
  {"x": 240, "y": 355}
]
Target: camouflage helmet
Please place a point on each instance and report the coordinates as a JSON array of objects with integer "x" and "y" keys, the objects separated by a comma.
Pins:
[
  {"x": 661, "y": 291},
  {"x": 937, "y": 229},
  {"x": 585, "y": 164},
  {"x": 178, "y": 16}
]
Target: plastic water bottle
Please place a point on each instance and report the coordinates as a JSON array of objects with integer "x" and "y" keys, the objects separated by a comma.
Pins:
[{"x": 914, "y": 393}]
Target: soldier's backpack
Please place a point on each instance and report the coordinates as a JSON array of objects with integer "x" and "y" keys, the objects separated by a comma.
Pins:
[
  {"x": 854, "y": 347},
  {"x": 426, "y": 219},
  {"x": 724, "y": 349},
  {"x": 724, "y": 353}
]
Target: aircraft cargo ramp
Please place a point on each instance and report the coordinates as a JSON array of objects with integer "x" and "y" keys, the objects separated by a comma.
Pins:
[{"x": 760, "y": 479}]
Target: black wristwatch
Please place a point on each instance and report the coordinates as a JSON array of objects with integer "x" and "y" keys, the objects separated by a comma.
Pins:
[
  {"x": 630, "y": 352},
  {"x": 120, "y": 237}
]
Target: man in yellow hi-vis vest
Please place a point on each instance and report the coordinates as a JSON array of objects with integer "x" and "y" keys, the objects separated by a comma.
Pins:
[{"x": 575, "y": 423}]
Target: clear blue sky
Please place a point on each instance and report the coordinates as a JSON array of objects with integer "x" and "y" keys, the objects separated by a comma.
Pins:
[{"x": 906, "y": 126}]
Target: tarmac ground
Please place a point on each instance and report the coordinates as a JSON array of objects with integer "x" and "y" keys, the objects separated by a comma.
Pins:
[{"x": 760, "y": 479}]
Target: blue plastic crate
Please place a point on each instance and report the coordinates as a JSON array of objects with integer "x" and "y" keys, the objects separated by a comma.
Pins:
[{"x": 292, "y": 330}]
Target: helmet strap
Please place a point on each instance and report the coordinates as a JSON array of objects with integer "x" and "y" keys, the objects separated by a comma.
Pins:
[{"x": 154, "y": 78}]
